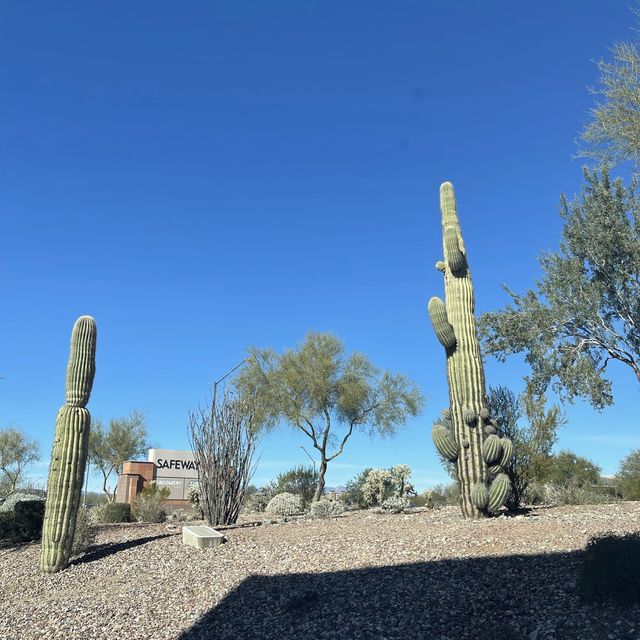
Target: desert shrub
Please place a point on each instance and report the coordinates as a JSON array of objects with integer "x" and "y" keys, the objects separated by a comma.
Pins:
[
  {"x": 179, "y": 515},
  {"x": 28, "y": 518},
  {"x": 260, "y": 499},
  {"x": 85, "y": 533},
  {"x": 395, "y": 504},
  {"x": 112, "y": 512},
  {"x": 353, "y": 495},
  {"x": 285, "y": 504},
  {"x": 535, "y": 493},
  {"x": 301, "y": 481},
  {"x": 572, "y": 494},
  {"x": 326, "y": 509},
  {"x": 7, "y": 525},
  {"x": 439, "y": 496},
  {"x": 149, "y": 503},
  {"x": 610, "y": 569},
  {"x": 566, "y": 468},
  {"x": 628, "y": 476},
  {"x": 14, "y": 498}
]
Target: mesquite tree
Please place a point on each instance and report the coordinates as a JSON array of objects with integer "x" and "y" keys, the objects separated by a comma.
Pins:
[
  {"x": 481, "y": 455},
  {"x": 223, "y": 439}
]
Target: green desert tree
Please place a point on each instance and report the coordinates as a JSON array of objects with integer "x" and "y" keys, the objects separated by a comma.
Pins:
[
  {"x": 585, "y": 310},
  {"x": 17, "y": 452},
  {"x": 613, "y": 132},
  {"x": 566, "y": 469},
  {"x": 628, "y": 476},
  {"x": 300, "y": 481},
  {"x": 125, "y": 439},
  {"x": 326, "y": 395}
]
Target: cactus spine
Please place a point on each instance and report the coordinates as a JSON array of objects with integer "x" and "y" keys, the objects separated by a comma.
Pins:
[
  {"x": 454, "y": 324},
  {"x": 70, "y": 448}
]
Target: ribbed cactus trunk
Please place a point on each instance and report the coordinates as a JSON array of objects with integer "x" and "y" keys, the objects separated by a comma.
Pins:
[
  {"x": 70, "y": 449},
  {"x": 480, "y": 455}
]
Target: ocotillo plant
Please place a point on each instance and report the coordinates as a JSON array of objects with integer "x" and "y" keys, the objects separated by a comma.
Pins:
[
  {"x": 480, "y": 455},
  {"x": 70, "y": 447}
]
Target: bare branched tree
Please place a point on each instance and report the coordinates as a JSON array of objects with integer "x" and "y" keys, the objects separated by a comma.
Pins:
[{"x": 223, "y": 440}]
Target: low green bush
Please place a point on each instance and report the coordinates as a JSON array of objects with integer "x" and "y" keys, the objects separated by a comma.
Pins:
[
  {"x": 285, "y": 504},
  {"x": 26, "y": 525},
  {"x": 14, "y": 498},
  {"x": 112, "y": 512},
  {"x": 149, "y": 504},
  {"x": 572, "y": 494},
  {"x": 7, "y": 526},
  {"x": 326, "y": 509},
  {"x": 85, "y": 533},
  {"x": 610, "y": 570}
]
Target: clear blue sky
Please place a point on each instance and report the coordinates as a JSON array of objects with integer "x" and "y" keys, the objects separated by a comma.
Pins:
[{"x": 204, "y": 176}]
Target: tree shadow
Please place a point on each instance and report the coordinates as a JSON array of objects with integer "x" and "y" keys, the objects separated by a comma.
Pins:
[
  {"x": 100, "y": 551},
  {"x": 493, "y": 598}
]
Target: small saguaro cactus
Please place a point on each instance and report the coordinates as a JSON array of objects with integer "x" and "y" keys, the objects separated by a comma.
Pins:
[
  {"x": 480, "y": 455},
  {"x": 70, "y": 448}
]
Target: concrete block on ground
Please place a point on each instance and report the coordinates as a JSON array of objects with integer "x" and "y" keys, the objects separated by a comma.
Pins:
[{"x": 201, "y": 537}]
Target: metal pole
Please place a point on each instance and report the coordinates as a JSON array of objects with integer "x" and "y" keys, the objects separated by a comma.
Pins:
[
  {"x": 215, "y": 387},
  {"x": 312, "y": 460}
]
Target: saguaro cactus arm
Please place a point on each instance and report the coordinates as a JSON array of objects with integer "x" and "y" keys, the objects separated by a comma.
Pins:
[{"x": 70, "y": 448}]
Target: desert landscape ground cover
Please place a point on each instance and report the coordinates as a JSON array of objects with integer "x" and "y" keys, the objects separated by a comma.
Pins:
[{"x": 424, "y": 574}]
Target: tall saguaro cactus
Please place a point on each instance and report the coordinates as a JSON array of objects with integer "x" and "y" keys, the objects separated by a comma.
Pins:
[
  {"x": 70, "y": 448},
  {"x": 480, "y": 454}
]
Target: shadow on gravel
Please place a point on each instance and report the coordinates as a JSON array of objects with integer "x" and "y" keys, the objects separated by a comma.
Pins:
[
  {"x": 488, "y": 598},
  {"x": 103, "y": 550}
]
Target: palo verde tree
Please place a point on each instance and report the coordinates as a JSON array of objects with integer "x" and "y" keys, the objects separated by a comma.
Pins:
[
  {"x": 585, "y": 310},
  {"x": 317, "y": 389},
  {"x": 125, "y": 439}
]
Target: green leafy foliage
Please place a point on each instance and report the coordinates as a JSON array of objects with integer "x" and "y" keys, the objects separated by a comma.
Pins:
[
  {"x": 628, "y": 476},
  {"x": 301, "y": 481},
  {"x": 28, "y": 519},
  {"x": 258, "y": 501},
  {"x": 613, "y": 135},
  {"x": 585, "y": 310},
  {"x": 353, "y": 496},
  {"x": 125, "y": 439},
  {"x": 610, "y": 570},
  {"x": 16, "y": 453},
  {"x": 149, "y": 504},
  {"x": 316, "y": 388},
  {"x": 85, "y": 533},
  {"x": 112, "y": 512},
  {"x": 568, "y": 469}
]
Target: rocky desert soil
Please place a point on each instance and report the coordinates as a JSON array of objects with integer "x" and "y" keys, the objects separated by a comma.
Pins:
[{"x": 426, "y": 575}]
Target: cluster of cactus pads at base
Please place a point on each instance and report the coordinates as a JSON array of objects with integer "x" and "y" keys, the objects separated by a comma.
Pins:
[
  {"x": 70, "y": 449},
  {"x": 481, "y": 456}
]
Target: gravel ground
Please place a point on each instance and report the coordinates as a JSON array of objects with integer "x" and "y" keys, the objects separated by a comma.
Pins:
[{"x": 428, "y": 575}]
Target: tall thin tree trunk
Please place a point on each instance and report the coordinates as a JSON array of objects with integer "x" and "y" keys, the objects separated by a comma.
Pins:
[{"x": 320, "y": 486}]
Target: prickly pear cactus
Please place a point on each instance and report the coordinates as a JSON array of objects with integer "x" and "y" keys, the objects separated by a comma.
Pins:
[
  {"x": 70, "y": 448},
  {"x": 483, "y": 455}
]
